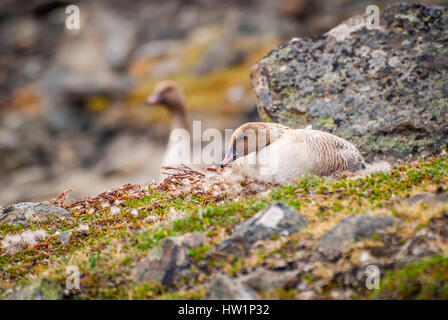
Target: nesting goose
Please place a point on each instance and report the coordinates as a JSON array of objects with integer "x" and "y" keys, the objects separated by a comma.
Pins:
[{"x": 275, "y": 153}]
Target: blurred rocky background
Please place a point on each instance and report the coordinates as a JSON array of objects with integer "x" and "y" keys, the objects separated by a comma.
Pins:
[{"x": 72, "y": 111}]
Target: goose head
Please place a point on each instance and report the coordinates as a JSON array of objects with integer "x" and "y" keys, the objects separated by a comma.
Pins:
[
  {"x": 251, "y": 137},
  {"x": 171, "y": 95}
]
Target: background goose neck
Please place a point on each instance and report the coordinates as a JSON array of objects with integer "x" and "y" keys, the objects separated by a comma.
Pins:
[{"x": 179, "y": 120}]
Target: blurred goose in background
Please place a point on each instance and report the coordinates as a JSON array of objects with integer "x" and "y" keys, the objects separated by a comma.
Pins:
[
  {"x": 170, "y": 94},
  {"x": 275, "y": 153},
  {"x": 179, "y": 148}
]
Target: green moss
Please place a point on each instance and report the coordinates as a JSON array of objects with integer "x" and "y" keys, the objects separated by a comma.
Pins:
[
  {"x": 427, "y": 279},
  {"x": 293, "y": 118},
  {"x": 325, "y": 122},
  {"x": 198, "y": 254}
]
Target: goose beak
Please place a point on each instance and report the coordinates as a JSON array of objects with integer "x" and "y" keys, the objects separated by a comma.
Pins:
[
  {"x": 154, "y": 99},
  {"x": 231, "y": 155}
]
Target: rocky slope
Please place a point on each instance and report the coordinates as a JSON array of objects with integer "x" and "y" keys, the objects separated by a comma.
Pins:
[{"x": 316, "y": 238}]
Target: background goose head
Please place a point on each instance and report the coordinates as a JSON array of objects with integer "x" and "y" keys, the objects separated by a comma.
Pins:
[
  {"x": 171, "y": 95},
  {"x": 251, "y": 137}
]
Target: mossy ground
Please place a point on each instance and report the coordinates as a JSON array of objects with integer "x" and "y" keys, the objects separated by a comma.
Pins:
[
  {"x": 426, "y": 279},
  {"x": 121, "y": 233}
]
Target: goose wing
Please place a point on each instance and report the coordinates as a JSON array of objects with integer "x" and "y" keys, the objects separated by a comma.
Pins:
[{"x": 330, "y": 153}]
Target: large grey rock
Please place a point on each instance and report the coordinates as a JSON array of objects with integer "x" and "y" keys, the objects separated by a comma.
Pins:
[
  {"x": 354, "y": 228},
  {"x": 168, "y": 261},
  {"x": 225, "y": 288},
  {"x": 276, "y": 220},
  {"x": 385, "y": 90},
  {"x": 15, "y": 214},
  {"x": 42, "y": 289}
]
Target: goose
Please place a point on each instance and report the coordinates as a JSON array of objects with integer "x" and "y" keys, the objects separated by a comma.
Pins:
[
  {"x": 278, "y": 154},
  {"x": 170, "y": 94}
]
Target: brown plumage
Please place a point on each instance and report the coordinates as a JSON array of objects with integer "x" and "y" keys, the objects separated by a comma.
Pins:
[{"x": 332, "y": 154}]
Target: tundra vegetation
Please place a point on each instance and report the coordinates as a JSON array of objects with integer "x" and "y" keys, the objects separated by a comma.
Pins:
[{"x": 111, "y": 233}]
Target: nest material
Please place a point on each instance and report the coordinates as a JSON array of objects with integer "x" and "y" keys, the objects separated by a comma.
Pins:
[{"x": 181, "y": 182}]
